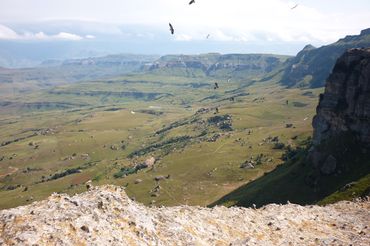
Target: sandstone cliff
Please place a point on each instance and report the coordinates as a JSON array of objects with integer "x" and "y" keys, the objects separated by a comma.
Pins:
[
  {"x": 106, "y": 216},
  {"x": 345, "y": 105}
]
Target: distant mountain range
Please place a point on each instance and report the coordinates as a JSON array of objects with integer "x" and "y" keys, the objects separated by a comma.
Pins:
[
  {"x": 311, "y": 66},
  {"x": 124, "y": 61},
  {"x": 216, "y": 65},
  {"x": 74, "y": 70}
]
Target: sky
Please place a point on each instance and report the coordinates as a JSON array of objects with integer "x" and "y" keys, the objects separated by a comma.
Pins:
[{"x": 141, "y": 26}]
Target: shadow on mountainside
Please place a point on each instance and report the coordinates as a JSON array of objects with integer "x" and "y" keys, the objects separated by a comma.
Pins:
[{"x": 297, "y": 181}]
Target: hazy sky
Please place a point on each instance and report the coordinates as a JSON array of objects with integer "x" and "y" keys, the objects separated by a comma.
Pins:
[{"x": 241, "y": 22}]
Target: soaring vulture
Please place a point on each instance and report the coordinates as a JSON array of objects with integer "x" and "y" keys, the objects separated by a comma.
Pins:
[
  {"x": 295, "y": 6},
  {"x": 171, "y": 29}
]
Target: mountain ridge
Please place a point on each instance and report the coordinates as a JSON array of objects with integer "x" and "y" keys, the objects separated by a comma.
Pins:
[{"x": 311, "y": 66}]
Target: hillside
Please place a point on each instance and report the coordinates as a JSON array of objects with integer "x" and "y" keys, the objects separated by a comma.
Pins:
[
  {"x": 337, "y": 165},
  {"x": 311, "y": 66},
  {"x": 105, "y": 216}
]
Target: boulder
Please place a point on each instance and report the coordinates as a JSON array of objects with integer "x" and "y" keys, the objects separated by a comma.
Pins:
[
  {"x": 113, "y": 147},
  {"x": 315, "y": 157},
  {"x": 150, "y": 162},
  {"x": 247, "y": 165},
  {"x": 289, "y": 125},
  {"x": 140, "y": 166},
  {"x": 85, "y": 156},
  {"x": 329, "y": 166},
  {"x": 159, "y": 178},
  {"x": 348, "y": 186}
]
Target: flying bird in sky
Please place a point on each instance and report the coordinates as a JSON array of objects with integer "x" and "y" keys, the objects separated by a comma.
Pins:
[
  {"x": 295, "y": 6},
  {"x": 209, "y": 35},
  {"x": 171, "y": 29},
  {"x": 191, "y": 2},
  {"x": 216, "y": 86}
]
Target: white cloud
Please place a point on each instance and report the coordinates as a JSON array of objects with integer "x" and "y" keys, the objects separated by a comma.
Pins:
[
  {"x": 67, "y": 36},
  {"x": 8, "y": 34},
  {"x": 90, "y": 36},
  {"x": 183, "y": 37}
]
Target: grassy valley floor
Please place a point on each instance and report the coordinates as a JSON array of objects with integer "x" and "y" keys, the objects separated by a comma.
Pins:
[{"x": 94, "y": 130}]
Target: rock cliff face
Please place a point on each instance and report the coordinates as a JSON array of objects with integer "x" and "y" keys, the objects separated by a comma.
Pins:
[
  {"x": 106, "y": 216},
  {"x": 345, "y": 105}
]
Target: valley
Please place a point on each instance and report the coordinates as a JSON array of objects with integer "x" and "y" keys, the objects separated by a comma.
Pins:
[{"x": 111, "y": 125}]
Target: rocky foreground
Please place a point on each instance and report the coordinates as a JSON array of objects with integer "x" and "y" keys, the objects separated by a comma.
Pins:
[{"x": 106, "y": 216}]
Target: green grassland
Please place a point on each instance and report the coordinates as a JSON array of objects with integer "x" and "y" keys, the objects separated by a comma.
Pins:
[{"x": 57, "y": 138}]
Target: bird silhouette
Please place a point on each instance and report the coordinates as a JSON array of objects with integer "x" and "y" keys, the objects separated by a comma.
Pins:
[
  {"x": 295, "y": 6},
  {"x": 216, "y": 85},
  {"x": 171, "y": 29},
  {"x": 191, "y": 2},
  {"x": 209, "y": 35}
]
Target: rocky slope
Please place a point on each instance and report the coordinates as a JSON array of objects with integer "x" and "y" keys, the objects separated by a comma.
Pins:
[
  {"x": 106, "y": 216},
  {"x": 311, "y": 66},
  {"x": 345, "y": 105}
]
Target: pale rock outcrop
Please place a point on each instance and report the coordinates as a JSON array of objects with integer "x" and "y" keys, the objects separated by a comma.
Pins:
[
  {"x": 150, "y": 161},
  {"x": 107, "y": 216}
]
